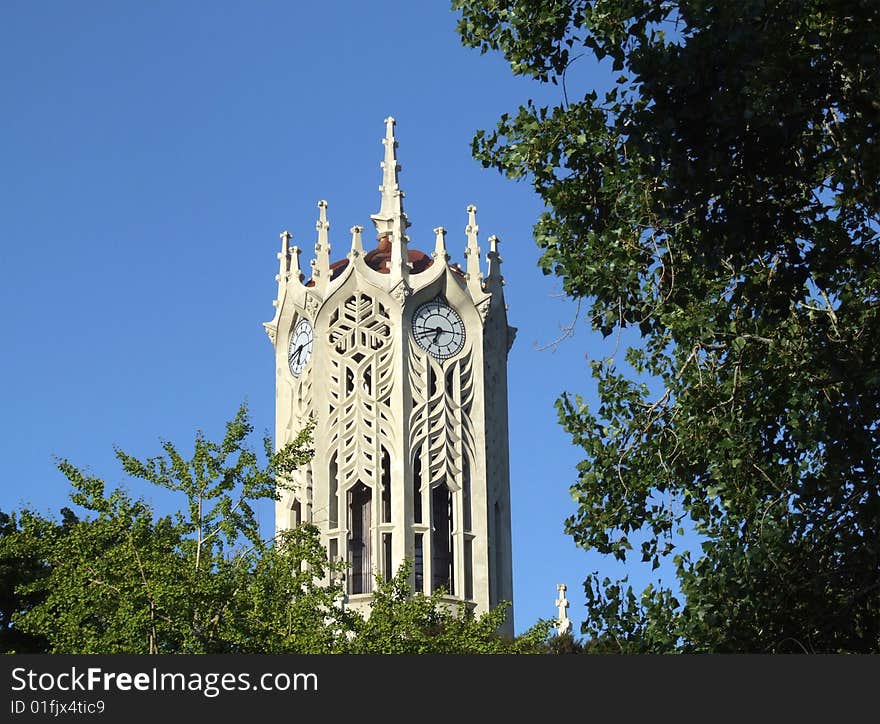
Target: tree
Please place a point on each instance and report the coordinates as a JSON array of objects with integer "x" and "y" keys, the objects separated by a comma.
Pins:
[
  {"x": 721, "y": 198},
  {"x": 123, "y": 580},
  {"x": 20, "y": 568},
  {"x": 403, "y": 622}
]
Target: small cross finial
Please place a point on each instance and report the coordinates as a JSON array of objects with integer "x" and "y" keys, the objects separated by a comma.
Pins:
[{"x": 563, "y": 625}]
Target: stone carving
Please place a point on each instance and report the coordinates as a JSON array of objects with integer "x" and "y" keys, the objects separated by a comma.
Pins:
[
  {"x": 361, "y": 379},
  {"x": 311, "y": 307},
  {"x": 401, "y": 292},
  {"x": 483, "y": 308},
  {"x": 440, "y": 417},
  {"x": 271, "y": 330}
]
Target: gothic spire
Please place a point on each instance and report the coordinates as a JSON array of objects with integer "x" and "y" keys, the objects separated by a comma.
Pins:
[
  {"x": 494, "y": 278},
  {"x": 321, "y": 262},
  {"x": 391, "y": 219},
  {"x": 472, "y": 252},
  {"x": 283, "y": 264}
]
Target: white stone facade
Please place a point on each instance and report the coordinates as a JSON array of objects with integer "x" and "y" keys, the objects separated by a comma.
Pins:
[{"x": 411, "y": 447}]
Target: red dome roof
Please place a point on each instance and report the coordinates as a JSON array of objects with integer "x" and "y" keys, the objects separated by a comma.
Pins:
[{"x": 379, "y": 259}]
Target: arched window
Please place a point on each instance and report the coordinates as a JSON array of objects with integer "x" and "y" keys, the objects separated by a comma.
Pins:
[
  {"x": 359, "y": 522},
  {"x": 441, "y": 540},
  {"x": 295, "y": 513},
  {"x": 417, "y": 486}
]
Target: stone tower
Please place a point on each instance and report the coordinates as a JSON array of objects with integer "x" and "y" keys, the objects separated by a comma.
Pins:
[{"x": 401, "y": 359}]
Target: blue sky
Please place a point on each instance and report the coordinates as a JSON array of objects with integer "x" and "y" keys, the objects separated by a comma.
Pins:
[{"x": 151, "y": 154}]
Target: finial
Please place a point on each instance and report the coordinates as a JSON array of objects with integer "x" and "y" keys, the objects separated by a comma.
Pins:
[
  {"x": 283, "y": 256},
  {"x": 295, "y": 271},
  {"x": 321, "y": 262},
  {"x": 473, "y": 274},
  {"x": 440, "y": 244},
  {"x": 391, "y": 220},
  {"x": 392, "y": 197},
  {"x": 494, "y": 276},
  {"x": 563, "y": 622},
  {"x": 357, "y": 244}
]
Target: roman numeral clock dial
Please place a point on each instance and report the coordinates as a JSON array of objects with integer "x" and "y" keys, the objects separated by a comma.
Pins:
[
  {"x": 300, "y": 349},
  {"x": 438, "y": 329}
]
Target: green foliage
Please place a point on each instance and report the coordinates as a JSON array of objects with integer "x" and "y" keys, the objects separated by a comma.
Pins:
[
  {"x": 723, "y": 199},
  {"x": 403, "y": 622},
  {"x": 20, "y": 568},
  {"x": 123, "y": 580}
]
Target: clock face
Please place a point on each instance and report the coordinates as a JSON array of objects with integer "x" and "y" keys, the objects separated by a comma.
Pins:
[
  {"x": 300, "y": 349},
  {"x": 438, "y": 329}
]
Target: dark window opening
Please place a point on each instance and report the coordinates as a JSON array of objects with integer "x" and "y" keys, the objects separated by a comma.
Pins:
[
  {"x": 386, "y": 486},
  {"x": 359, "y": 559},
  {"x": 417, "y": 487},
  {"x": 386, "y": 556},
  {"x": 441, "y": 539},
  {"x": 296, "y": 512},
  {"x": 333, "y": 501},
  {"x": 419, "y": 563},
  {"x": 495, "y": 577},
  {"x": 466, "y": 494},
  {"x": 469, "y": 570}
]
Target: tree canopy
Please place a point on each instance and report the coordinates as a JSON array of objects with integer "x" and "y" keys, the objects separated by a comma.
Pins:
[
  {"x": 722, "y": 198},
  {"x": 120, "y": 578}
]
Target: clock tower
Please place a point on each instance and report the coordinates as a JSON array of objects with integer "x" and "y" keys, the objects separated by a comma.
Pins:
[{"x": 400, "y": 357}]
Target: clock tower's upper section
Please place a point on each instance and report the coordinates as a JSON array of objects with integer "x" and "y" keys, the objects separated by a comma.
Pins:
[{"x": 391, "y": 265}]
